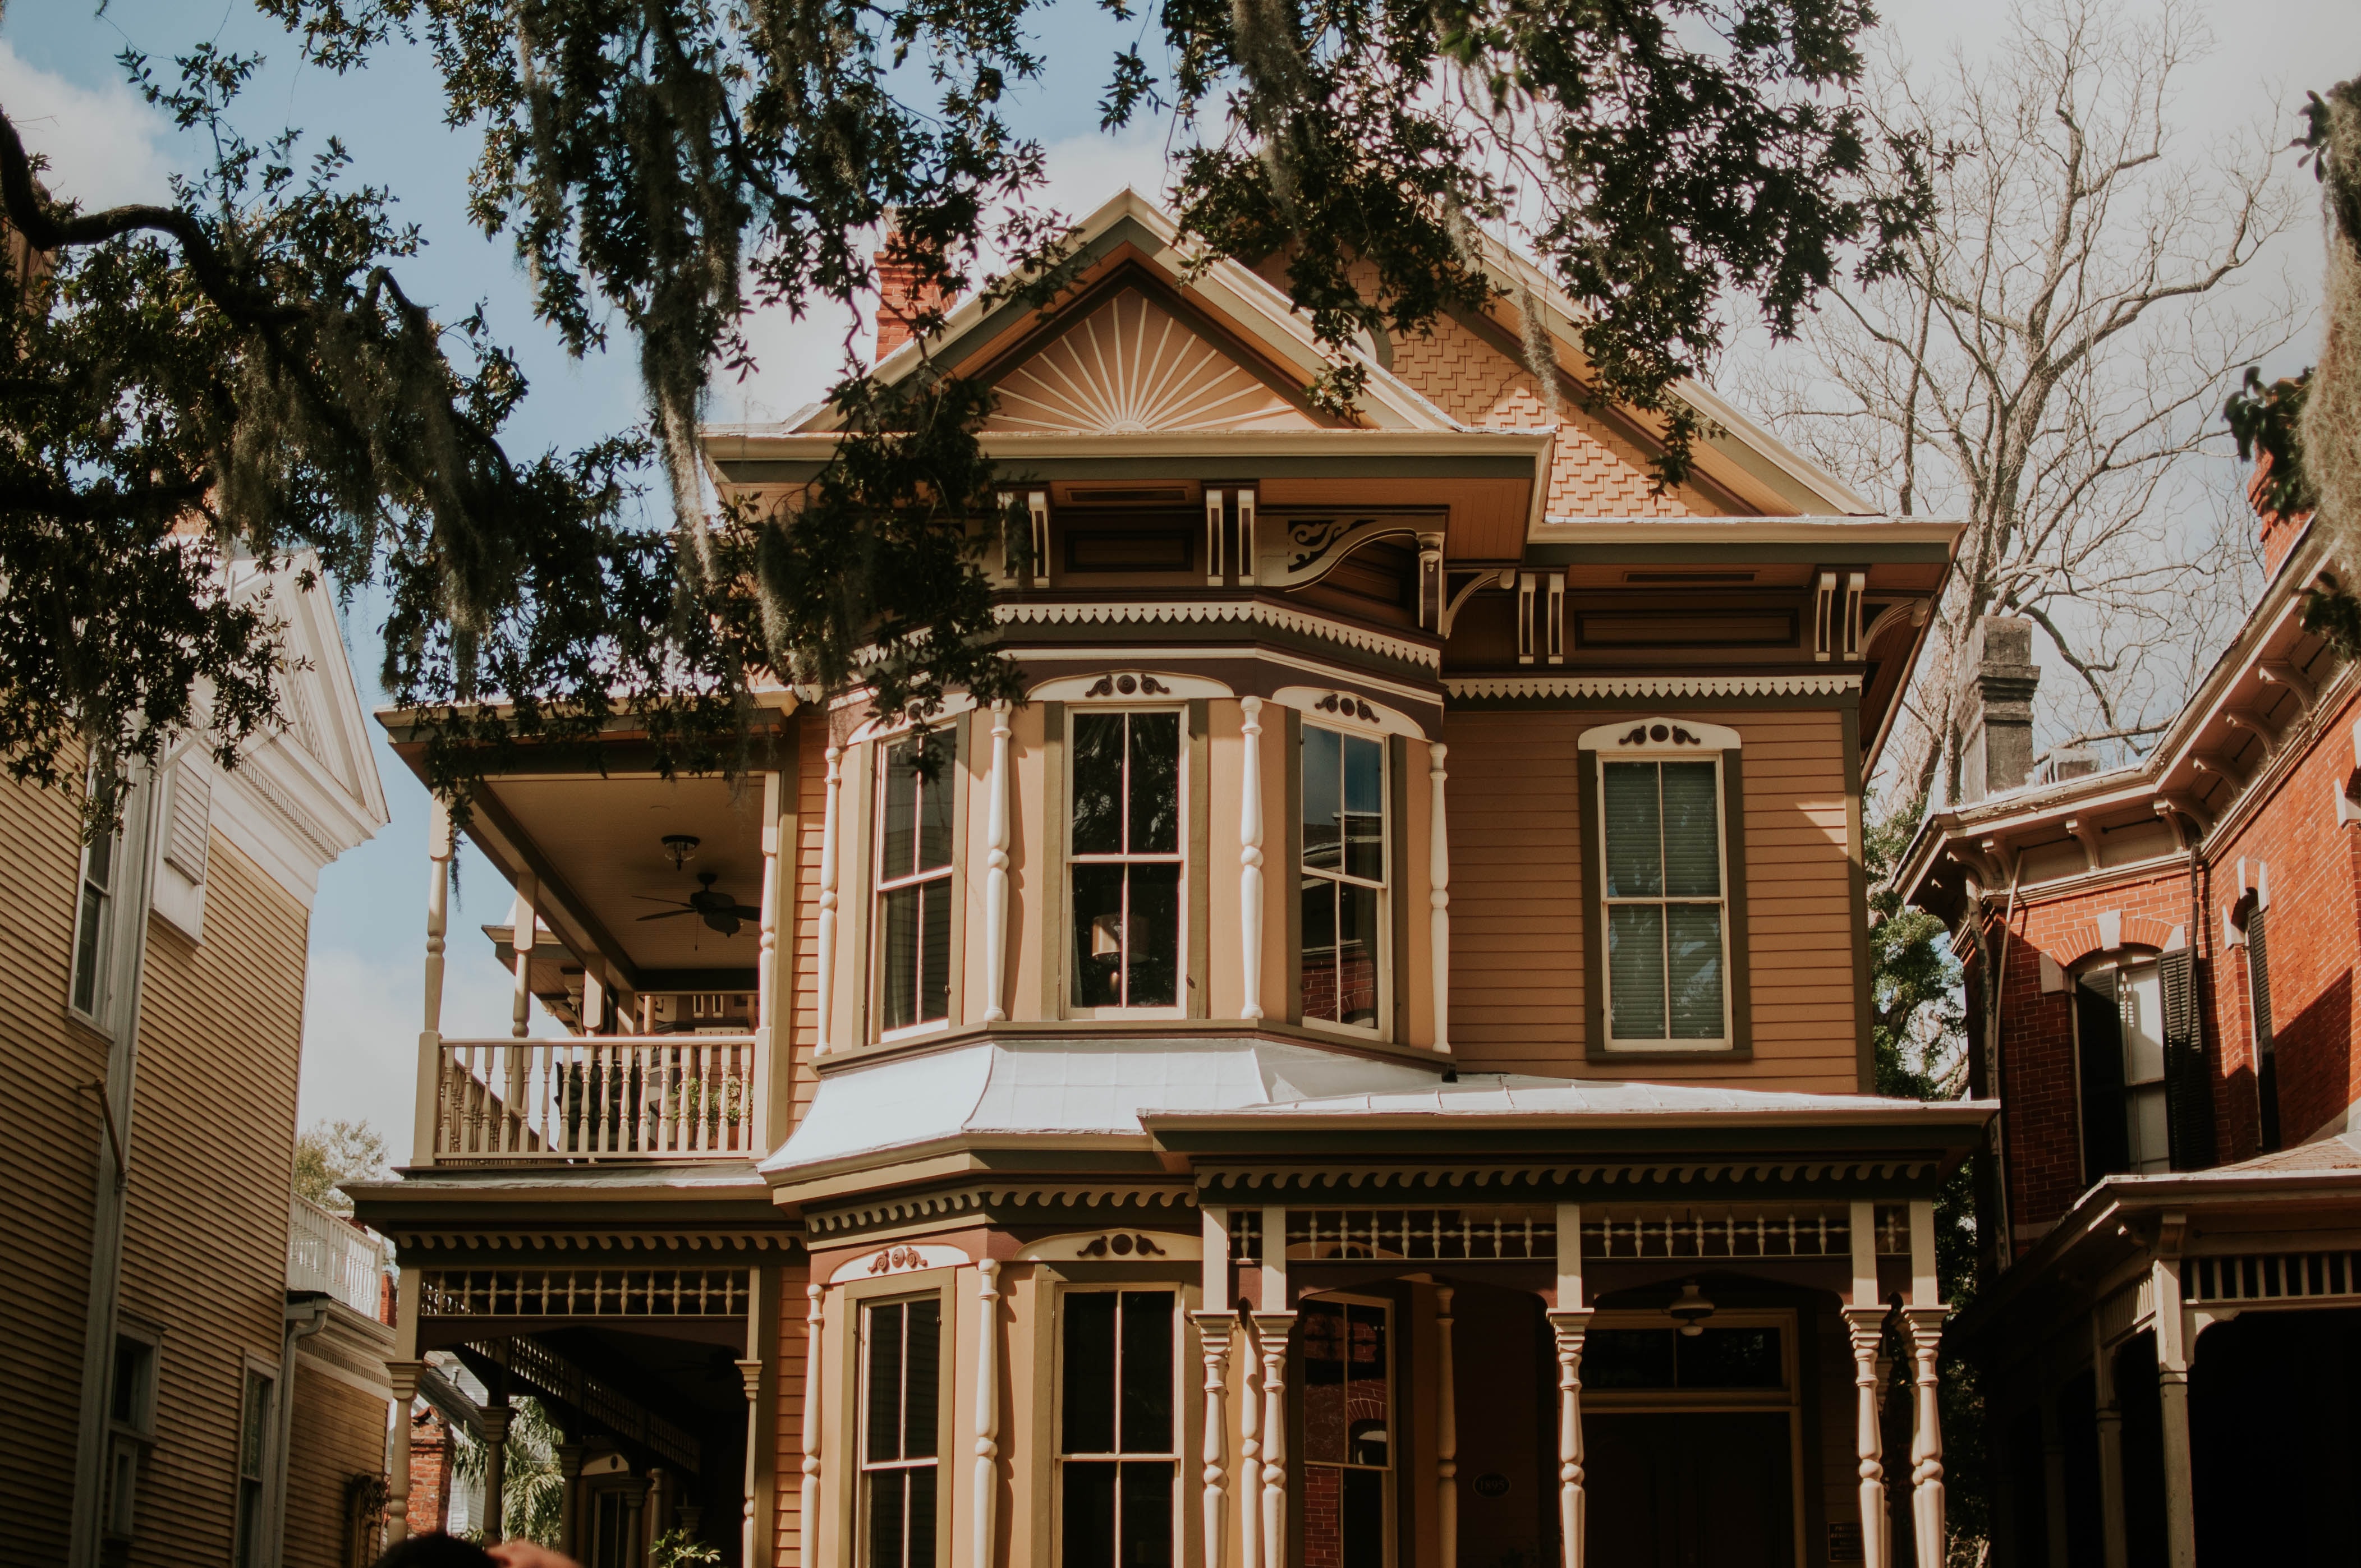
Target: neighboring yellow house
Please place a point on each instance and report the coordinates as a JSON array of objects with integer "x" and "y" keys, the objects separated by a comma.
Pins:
[
  {"x": 1369, "y": 1065},
  {"x": 166, "y": 1325}
]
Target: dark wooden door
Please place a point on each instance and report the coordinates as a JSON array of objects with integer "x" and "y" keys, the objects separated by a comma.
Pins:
[{"x": 1690, "y": 1490}]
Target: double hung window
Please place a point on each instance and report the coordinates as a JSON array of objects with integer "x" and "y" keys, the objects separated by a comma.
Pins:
[
  {"x": 1117, "y": 1452},
  {"x": 1126, "y": 861},
  {"x": 1343, "y": 885},
  {"x": 1666, "y": 903},
  {"x": 131, "y": 1427},
  {"x": 253, "y": 1455},
  {"x": 914, "y": 884},
  {"x": 95, "y": 926},
  {"x": 2266, "y": 1069},
  {"x": 901, "y": 1406},
  {"x": 1348, "y": 1426}
]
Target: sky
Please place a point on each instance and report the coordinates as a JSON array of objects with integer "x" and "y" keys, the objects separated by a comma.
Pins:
[{"x": 62, "y": 84}]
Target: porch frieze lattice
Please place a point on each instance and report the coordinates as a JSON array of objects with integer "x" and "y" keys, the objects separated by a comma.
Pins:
[
  {"x": 1257, "y": 1183},
  {"x": 1517, "y": 1232},
  {"x": 2261, "y": 1279},
  {"x": 584, "y": 1292}
]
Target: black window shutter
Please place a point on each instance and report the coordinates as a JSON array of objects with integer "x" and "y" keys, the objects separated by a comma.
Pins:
[
  {"x": 2188, "y": 1091},
  {"x": 2107, "y": 1137},
  {"x": 2267, "y": 1075}
]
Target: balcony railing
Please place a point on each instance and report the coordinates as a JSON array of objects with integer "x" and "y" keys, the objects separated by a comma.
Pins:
[
  {"x": 328, "y": 1254},
  {"x": 594, "y": 1098}
]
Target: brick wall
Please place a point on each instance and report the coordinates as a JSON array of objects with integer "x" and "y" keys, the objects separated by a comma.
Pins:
[{"x": 429, "y": 1474}]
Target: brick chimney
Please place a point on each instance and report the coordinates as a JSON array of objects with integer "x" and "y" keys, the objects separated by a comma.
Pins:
[
  {"x": 1996, "y": 706},
  {"x": 901, "y": 296},
  {"x": 2280, "y": 532},
  {"x": 429, "y": 1474}
]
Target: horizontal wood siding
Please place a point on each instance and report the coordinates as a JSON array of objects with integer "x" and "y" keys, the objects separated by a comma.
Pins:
[
  {"x": 53, "y": 1138},
  {"x": 205, "y": 1243},
  {"x": 811, "y": 821},
  {"x": 1516, "y": 901},
  {"x": 787, "y": 1544},
  {"x": 338, "y": 1434}
]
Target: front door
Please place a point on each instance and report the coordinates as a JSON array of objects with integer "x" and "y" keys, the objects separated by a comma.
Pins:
[{"x": 1709, "y": 1490}]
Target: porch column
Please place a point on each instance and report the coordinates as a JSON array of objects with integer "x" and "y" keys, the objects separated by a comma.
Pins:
[
  {"x": 1865, "y": 1319},
  {"x": 996, "y": 876},
  {"x": 510, "y": 1132},
  {"x": 403, "y": 1377},
  {"x": 1215, "y": 1323},
  {"x": 1273, "y": 1328},
  {"x": 1446, "y": 1436},
  {"x": 569, "y": 1499},
  {"x": 635, "y": 1520},
  {"x": 814, "y": 1322},
  {"x": 987, "y": 1405},
  {"x": 425, "y": 1122},
  {"x": 769, "y": 997},
  {"x": 496, "y": 1462},
  {"x": 1570, "y": 1324},
  {"x": 2172, "y": 1385},
  {"x": 1925, "y": 1317},
  {"x": 2114, "y": 1553},
  {"x": 824, "y": 980},
  {"x": 1251, "y": 869},
  {"x": 1250, "y": 1453},
  {"x": 1438, "y": 879},
  {"x": 750, "y": 1376}
]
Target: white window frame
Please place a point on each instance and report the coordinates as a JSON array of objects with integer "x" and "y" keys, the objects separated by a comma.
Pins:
[
  {"x": 129, "y": 1437},
  {"x": 251, "y": 1490},
  {"x": 1181, "y": 1412},
  {"x": 96, "y": 901},
  {"x": 1382, "y": 1028},
  {"x": 881, "y": 749},
  {"x": 863, "y": 1467},
  {"x": 1608, "y": 741},
  {"x": 2129, "y": 965},
  {"x": 1180, "y": 857},
  {"x": 1394, "y": 1433}
]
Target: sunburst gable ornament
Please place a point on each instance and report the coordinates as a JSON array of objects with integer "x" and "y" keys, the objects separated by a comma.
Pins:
[{"x": 1130, "y": 366}]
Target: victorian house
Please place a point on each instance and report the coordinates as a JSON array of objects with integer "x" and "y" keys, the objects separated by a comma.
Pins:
[
  {"x": 1367, "y": 1063},
  {"x": 2174, "y": 1193},
  {"x": 194, "y": 1355}
]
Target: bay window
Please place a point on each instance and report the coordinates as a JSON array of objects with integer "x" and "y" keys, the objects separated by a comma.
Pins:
[
  {"x": 901, "y": 1415},
  {"x": 1126, "y": 864},
  {"x": 914, "y": 883}
]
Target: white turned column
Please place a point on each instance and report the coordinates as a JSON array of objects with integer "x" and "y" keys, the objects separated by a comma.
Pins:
[
  {"x": 2115, "y": 1552},
  {"x": 1865, "y": 1322},
  {"x": 1570, "y": 1328},
  {"x": 814, "y": 1322},
  {"x": 403, "y": 1377},
  {"x": 824, "y": 981},
  {"x": 1926, "y": 1497},
  {"x": 996, "y": 876},
  {"x": 769, "y": 1036},
  {"x": 2172, "y": 1385},
  {"x": 1213, "y": 1332},
  {"x": 524, "y": 922},
  {"x": 427, "y": 1120},
  {"x": 1250, "y": 859},
  {"x": 1251, "y": 1452},
  {"x": 494, "y": 1421},
  {"x": 569, "y": 1496},
  {"x": 1446, "y": 1436},
  {"x": 750, "y": 1375},
  {"x": 1438, "y": 879},
  {"x": 988, "y": 1410},
  {"x": 1273, "y": 1328}
]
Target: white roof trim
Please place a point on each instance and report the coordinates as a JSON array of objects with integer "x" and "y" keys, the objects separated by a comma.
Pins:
[{"x": 1653, "y": 685}]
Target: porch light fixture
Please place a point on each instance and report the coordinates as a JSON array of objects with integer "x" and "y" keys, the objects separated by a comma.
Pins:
[
  {"x": 681, "y": 846},
  {"x": 1692, "y": 1309}
]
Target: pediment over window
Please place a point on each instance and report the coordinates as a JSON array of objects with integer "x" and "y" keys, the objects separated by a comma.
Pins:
[{"x": 1131, "y": 366}]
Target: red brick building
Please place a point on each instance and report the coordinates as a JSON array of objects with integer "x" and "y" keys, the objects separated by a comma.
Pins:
[{"x": 2171, "y": 1213}]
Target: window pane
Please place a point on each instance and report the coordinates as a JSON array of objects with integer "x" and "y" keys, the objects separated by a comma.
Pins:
[
  {"x": 1365, "y": 805},
  {"x": 87, "y": 944},
  {"x": 885, "y": 1382},
  {"x": 1155, "y": 810},
  {"x": 1357, "y": 954},
  {"x": 1090, "y": 1513},
  {"x": 1098, "y": 783},
  {"x": 1147, "y": 1394},
  {"x": 1147, "y": 1528},
  {"x": 1692, "y": 832},
  {"x": 2141, "y": 997},
  {"x": 1730, "y": 1358},
  {"x": 1634, "y": 869},
  {"x": 1152, "y": 937},
  {"x": 1367, "y": 1397},
  {"x": 1635, "y": 971},
  {"x": 901, "y": 974},
  {"x": 1319, "y": 949},
  {"x": 1696, "y": 959},
  {"x": 102, "y": 864},
  {"x": 1323, "y": 805},
  {"x": 1323, "y": 1383},
  {"x": 1098, "y": 935},
  {"x": 1363, "y": 1511},
  {"x": 934, "y": 976},
  {"x": 895, "y": 859},
  {"x": 922, "y": 1400},
  {"x": 936, "y": 787},
  {"x": 1627, "y": 1358},
  {"x": 1089, "y": 1369}
]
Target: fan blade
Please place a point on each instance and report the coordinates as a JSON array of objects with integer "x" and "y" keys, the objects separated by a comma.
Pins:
[
  {"x": 650, "y": 898},
  {"x": 744, "y": 913},
  {"x": 666, "y": 915}
]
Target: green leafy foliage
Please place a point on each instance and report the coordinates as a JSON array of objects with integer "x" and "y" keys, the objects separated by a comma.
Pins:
[
  {"x": 240, "y": 372},
  {"x": 533, "y": 1485},
  {"x": 2266, "y": 422},
  {"x": 330, "y": 1154}
]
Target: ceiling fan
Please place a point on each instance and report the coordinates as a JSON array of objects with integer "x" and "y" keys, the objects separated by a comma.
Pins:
[{"x": 718, "y": 910}]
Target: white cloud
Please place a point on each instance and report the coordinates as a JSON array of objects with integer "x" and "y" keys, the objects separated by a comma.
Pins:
[{"x": 103, "y": 143}]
